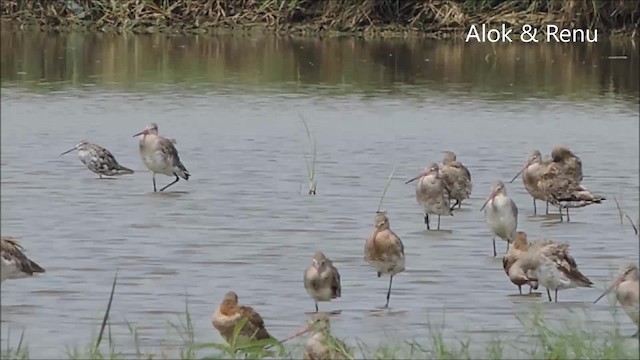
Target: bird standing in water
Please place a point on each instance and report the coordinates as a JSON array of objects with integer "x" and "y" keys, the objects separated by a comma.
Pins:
[
  {"x": 384, "y": 250},
  {"x": 98, "y": 159},
  {"x": 501, "y": 214},
  {"x": 15, "y": 264},
  {"x": 321, "y": 279},
  {"x": 432, "y": 193},
  {"x": 160, "y": 155},
  {"x": 456, "y": 177}
]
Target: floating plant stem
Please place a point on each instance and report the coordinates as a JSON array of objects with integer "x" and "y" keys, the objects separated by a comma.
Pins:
[{"x": 311, "y": 164}]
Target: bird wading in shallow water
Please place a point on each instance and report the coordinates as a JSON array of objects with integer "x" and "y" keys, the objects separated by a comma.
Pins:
[
  {"x": 229, "y": 313},
  {"x": 627, "y": 288},
  {"x": 531, "y": 173},
  {"x": 160, "y": 155},
  {"x": 321, "y": 279},
  {"x": 456, "y": 178},
  {"x": 432, "y": 193},
  {"x": 15, "y": 264},
  {"x": 384, "y": 251},
  {"x": 98, "y": 159},
  {"x": 501, "y": 214}
]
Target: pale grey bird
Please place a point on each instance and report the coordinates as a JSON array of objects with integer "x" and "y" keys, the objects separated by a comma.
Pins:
[
  {"x": 501, "y": 215},
  {"x": 160, "y": 155},
  {"x": 432, "y": 193},
  {"x": 321, "y": 279}
]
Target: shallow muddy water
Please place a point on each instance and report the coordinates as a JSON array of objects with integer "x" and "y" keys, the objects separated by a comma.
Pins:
[{"x": 243, "y": 222}]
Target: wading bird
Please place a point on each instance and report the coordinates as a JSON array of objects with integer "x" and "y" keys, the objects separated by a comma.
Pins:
[
  {"x": 501, "y": 214},
  {"x": 321, "y": 345},
  {"x": 230, "y": 313},
  {"x": 513, "y": 267},
  {"x": 554, "y": 267},
  {"x": 160, "y": 155},
  {"x": 15, "y": 264},
  {"x": 627, "y": 289},
  {"x": 384, "y": 251},
  {"x": 98, "y": 159},
  {"x": 456, "y": 178},
  {"x": 531, "y": 173},
  {"x": 562, "y": 189},
  {"x": 432, "y": 193},
  {"x": 321, "y": 279}
]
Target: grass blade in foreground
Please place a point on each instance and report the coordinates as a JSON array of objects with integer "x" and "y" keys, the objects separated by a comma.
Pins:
[
  {"x": 386, "y": 186},
  {"x": 106, "y": 313}
]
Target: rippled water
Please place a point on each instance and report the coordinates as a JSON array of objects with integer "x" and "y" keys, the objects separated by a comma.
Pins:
[{"x": 243, "y": 222}]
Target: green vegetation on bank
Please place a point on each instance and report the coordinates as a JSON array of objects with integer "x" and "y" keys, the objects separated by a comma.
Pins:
[
  {"x": 540, "y": 341},
  {"x": 574, "y": 339},
  {"x": 434, "y": 18}
]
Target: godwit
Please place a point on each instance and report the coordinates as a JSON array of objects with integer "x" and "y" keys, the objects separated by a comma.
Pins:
[
  {"x": 554, "y": 267},
  {"x": 15, "y": 264},
  {"x": 384, "y": 251},
  {"x": 160, "y": 155},
  {"x": 501, "y": 214},
  {"x": 98, "y": 159},
  {"x": 321, "y": 345},
  {"x": 563, "y": 190},
  {"x": 627, "y": 288},
  {"x": 229, "y": 314},
  {"x": 456, "y": 177},
  {"x": 571, "y": 164},
  {"x": 322, "y": 279},
  {"x": 513, "y": 268},
  {"x": 432, "y": 194},
  {"x": 531, "y": 173}
]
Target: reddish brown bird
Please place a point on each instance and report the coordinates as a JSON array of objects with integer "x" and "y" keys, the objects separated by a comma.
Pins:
[{"x": 230, "y": 313}]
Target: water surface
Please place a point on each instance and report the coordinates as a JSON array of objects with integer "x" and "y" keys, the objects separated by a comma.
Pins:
[{"x": 243, "y": 222}]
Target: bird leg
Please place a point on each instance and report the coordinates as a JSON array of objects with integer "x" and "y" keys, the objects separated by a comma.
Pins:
[
  {"x": 438, "y": 222},
  {"x": 458, "y": 202},
  {"x": 316, "y": 307},
  {"x": 154, "y": 182},
  {"x": 549, "y": 294},
  {"x": 547, "y": 208},
  {"x": 535, "y": 211},
  {"x": 426, "y": 221},
  {"x": 494, "y": 247},
  {"x": 389, "y": 292},
  {"x": 560, "y": 208},
  {"x": 520, "y": 289},
  {"x": 556, "y": 298},
  {"x": 507, "y": 246},
  {"x": 174, "y": 181},
  {"x": 568, "y": 219},
  {"x": 530, "y": 289}
]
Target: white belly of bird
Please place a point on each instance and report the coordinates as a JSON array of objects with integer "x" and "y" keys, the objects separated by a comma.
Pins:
[
  {"x": 501, "y": 220},
  {"x": 388, "y": 267},
  {"x": 9, "y": 270},
  {"x": 550, "y": 277},
  {"x": 155, "y": 162},
  {"x": 321, "y": 294}
]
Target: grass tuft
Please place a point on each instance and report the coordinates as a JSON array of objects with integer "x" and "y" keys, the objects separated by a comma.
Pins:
[
  {"x": 311, "y": 163},
  {"x": 386, "y": 186}
]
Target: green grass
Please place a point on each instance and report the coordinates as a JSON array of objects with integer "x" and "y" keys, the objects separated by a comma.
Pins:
[
  {"x": 573, "y": 340},
  {"x": 576, "y": 338}
]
